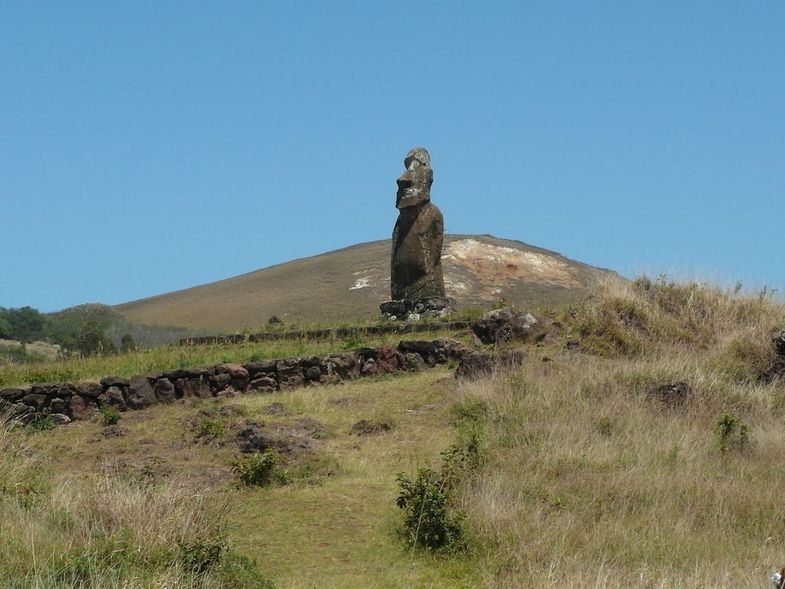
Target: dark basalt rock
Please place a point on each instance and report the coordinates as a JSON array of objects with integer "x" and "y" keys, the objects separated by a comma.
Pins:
[
  {"x": 504, "y": 325},
  {"x": 673, "y": 395}
]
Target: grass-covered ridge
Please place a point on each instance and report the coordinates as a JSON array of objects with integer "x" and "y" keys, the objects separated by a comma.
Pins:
[{"x": 574, "y": 472}]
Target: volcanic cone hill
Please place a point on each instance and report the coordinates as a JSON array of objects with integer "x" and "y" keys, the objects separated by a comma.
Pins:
[{"x": 348, "y": 285}]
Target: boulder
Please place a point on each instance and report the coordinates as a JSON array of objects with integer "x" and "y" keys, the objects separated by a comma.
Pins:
[
  {"x": 238, "y": 373},
  {"x": 673, "y": 394},
  {"x": 388, "y": 359},
  {"x": 140, "y": 393},
  {"x": 113, "y": 397},
  {"x": 164, "y": 390},
  {"x": 82, "y": 408},
  {"x": 504, "y": 325},
  {"x": 474, "y": 365},
  {"x": 263, "y": 384},
  {"x": 90, "y": 388}
]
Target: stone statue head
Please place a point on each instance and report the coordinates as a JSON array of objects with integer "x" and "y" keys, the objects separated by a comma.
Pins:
[{"x": 414, "y": 185}]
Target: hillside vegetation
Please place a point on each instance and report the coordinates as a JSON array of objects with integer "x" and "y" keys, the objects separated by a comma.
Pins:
[{"x": 637, "y": 445}]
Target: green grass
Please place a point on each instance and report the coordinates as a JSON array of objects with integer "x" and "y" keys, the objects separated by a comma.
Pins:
[
  {"x": 166, "y": 358},
  {"x": 583, "y": 478}
]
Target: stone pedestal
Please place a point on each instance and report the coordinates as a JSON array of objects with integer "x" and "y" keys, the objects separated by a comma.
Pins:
[{"x": 414, "y": 309}]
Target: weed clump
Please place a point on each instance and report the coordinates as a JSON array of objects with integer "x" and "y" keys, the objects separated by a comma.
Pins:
[
  {"x": 261, "y": 469},
  {"x": 732, "y": 433},
  {"x": 432, "y": 517}
]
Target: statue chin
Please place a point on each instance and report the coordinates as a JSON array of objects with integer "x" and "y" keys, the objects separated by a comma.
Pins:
[{"x": 411, "y": 198}]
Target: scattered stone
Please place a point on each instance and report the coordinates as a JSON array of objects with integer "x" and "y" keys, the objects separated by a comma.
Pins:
[
  {"x": 82, "y": 408},
  {"x": 473, "y": 366},
  {"x": 369, "y": 428},
  {"x": 252, "y": 438},
  {"x": 90, "y": 389},
  {"x": 238, "y": 374},
  {"x": 219, "y": 382},
  {"x": 673, "y": 395},
  {"x": 263, "y": 384},
  {"x": 112, "y": 431},
  {"x": 413, "y": 362},
  {"x": 505, "y": 325},
  {"x": 312, "y": 374},
  {"x": 58, "y": 405},
  {"x": 275, "y": 409},
  {"x": 12, "y": 395},
  {"x": 197, "y": 387},
  {"x": 59, "y": 419}
]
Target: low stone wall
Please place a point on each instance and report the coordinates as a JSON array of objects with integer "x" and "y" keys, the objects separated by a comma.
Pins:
[{"x": 64, "y": 402}]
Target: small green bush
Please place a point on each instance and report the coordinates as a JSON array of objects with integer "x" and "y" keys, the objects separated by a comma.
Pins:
[
  {"x": 41, "y": 424},
  {"x": 432, "y": 518},
  {"x": 430, "y": 521},
  {"x": 109, "y": 415},
  {"x": 210, "y": 429},
  {"x": 732, "y": 433},
  {"x": 259, "y": 469},
  {"x": 201, "y": 555}
]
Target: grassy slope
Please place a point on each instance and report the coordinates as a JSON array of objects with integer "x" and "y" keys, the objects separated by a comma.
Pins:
[
  {"x": 334, "y": 530},
  {"x": 587, "y": 482},
  {"x": 319, "y": 289}
]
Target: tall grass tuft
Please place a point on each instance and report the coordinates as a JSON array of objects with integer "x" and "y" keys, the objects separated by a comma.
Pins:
[{"x": 115, "y": 531}]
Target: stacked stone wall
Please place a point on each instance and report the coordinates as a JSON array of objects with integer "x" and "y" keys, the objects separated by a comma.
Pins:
[{"x": 64, "y": 402}]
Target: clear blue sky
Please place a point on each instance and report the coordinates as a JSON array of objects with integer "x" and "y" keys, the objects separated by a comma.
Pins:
[{"x": 152, "y": 146}]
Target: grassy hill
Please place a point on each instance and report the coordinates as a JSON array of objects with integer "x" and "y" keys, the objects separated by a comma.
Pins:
[
  {"x": 638, "y": 445},
  {"x": 349, "y": 284}
]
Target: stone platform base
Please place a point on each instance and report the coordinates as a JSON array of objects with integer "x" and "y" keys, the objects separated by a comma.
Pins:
[{"x": 412, "y": 310}]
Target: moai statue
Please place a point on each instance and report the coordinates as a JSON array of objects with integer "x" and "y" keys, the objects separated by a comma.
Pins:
[{"x": 416, "y": 277}]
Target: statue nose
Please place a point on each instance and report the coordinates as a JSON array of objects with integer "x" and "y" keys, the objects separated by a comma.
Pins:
[{"x": 404, "y": 181}]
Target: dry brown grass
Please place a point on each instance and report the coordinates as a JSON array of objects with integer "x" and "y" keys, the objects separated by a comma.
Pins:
[
  {"x": 321, "y": 288},
  {"x": 587, "y": 479},
  {"x": 591, "y": 482}
]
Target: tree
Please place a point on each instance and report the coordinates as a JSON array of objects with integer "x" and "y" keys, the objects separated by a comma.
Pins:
[
  {"x": 127, "y": 343},
  {"x": 92, "y": 340},
  {"x": 5, "y": 326},
  {"x": 27, "y": 324}
]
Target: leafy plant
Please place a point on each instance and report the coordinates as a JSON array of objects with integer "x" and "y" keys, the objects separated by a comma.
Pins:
[
  {"x": 109, "y": 415},
  {"x": 41, "y": 424},
  {"x": 430, "y": 521},
  {"x": 432, "y": 518},
  {"x": 210, "y": 429},
  {"x": 732, "y": 433},
  {"x": 259, "y": 470},
  {"x": 201, "y": 555}
]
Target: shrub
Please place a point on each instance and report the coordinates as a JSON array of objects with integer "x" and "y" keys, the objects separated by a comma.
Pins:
[
  {"x": 432, "y": 518},
  {"x": 210, "y": 429},
  {"x": 259, "y": 470},
  {"x": 200, "y": 555},
  {"x": 109, "y": 415},
  {"x": 732, "y": 433}
]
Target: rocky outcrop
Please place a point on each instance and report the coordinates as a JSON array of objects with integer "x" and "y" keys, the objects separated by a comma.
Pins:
[
  {"x": 63, "y": 402},
  {"x": 505, "y": 325}
]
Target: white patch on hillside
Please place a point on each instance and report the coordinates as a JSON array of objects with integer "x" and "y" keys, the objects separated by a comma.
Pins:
[
  {"x": 490, "y": 264},
  {"x": 364, "y": 282}
]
